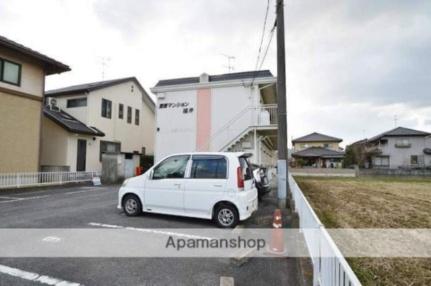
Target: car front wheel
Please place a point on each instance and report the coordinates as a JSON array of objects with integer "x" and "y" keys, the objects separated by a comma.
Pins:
[
  {"x": 132, "y": 205},
  {"x": 226, "y": 216}
]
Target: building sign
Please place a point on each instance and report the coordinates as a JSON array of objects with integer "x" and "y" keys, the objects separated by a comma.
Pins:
[{"x": 183, "y": 105}]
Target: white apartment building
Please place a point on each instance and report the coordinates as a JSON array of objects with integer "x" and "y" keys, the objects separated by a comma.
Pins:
[
  {"x": 83, "y": 121},
  {"x": 227, "y": 112}
]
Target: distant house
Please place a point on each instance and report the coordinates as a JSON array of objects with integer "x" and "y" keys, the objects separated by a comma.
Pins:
[
  {"x": 84, "y": 121},
  {"x": 22, "y": 83},
  {"x": 317, "y": 150},
  {"x": 400, "y": 148}
]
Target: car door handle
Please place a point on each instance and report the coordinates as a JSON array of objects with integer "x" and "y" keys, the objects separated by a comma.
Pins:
[
  {"x": 177, "y": 185},
  {"x": 218, "y": 186}
]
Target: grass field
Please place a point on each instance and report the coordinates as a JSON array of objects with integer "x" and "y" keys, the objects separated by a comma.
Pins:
[{"x": 375, "y": 202}]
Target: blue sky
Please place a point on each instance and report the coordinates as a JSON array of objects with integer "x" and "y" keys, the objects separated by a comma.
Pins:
[{"x": 352, "y": 66}]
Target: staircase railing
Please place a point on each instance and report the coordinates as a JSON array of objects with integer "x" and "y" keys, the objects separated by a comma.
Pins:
[{"x": 262, "y": 115}]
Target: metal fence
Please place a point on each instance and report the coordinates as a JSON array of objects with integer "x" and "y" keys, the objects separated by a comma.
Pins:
[
  {"x": 266, "y": 114},
  {"x": 20, "y": 180},
  {"x": 330, "y": 268}
]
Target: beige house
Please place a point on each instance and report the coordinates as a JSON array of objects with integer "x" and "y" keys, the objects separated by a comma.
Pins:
[
  {"x": 22, "y": 83},
  {"x": 317, "y": 150},
  {"x": 84, "y": 121}
]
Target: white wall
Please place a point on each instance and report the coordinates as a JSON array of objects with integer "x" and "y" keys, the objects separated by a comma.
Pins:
[
  {"x": 149, "y": 128},
  {"x": 176, "y": 130},
  {"x": 79, "y": 113},
  {"x": 91, "y": 163},
  {"x": 227, "y": 103},
  {"x": 132, "y": 137},
  {"x": 401, "y": 156}
]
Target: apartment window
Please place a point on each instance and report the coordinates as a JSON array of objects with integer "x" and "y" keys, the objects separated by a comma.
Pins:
[
  {"x": 129, "y": 114},
  {"x": 136, "y": 117},
  {"x": 10, "y": 72},
  {"x": 121, "y": 111},
  {"x": 106, "y": 108},
  {"x": 76, "y": 102}
]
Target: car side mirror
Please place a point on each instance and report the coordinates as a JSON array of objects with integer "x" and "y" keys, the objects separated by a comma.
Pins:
[{"x": 150, "y": 175}]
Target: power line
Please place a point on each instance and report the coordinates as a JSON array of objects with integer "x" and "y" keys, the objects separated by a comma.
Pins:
[
  {"x": 267, "y": 46},
  {"x": 263, "y": 35},
  {"x": 259, "y": 66}
]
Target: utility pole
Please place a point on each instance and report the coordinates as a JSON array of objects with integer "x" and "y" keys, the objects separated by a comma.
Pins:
[{"x": 282, "y": 168}]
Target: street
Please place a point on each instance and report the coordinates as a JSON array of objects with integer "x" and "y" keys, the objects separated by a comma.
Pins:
[{"x": 84, "y": 206}]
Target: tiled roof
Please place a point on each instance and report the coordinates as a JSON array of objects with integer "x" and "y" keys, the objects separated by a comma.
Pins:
[
  {"x": 400, "y": 132},
  {"x": 51, "y": 66},
  {"x": 87, "y": 87},
  {"x": 316, "y": 137},
  {"x": 215, "y": 78},
  {"x": 318, "y": 152},
  {"x": 70, "y": 123}
]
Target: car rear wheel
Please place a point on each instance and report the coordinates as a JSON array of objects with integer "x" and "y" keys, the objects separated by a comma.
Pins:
[
  {"x": 132, "y": 205},
  {"x": 226, "y": 216}
]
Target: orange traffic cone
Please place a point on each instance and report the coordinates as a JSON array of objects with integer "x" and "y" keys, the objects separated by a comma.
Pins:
[{"x": 277, "y": 237}]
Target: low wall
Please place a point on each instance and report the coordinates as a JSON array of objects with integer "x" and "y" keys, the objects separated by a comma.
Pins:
[
  {"x": 395, "y": 172},
  {"x": 322, "y": 172}
]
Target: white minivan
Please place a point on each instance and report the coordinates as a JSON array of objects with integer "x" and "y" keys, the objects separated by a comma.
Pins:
[{"x": 218, "y": 186}]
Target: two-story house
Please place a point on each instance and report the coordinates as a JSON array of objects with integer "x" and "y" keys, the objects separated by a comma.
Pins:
[
  {"x": 400, "y": 148},
  {"x": 317, "y": 150},
  {"x": 22, "y": 83},
  {"x": 84, "y": 121},
  {"x": 226, "y": 112}
]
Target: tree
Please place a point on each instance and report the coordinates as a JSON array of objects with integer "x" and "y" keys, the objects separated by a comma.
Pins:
[{"x": 350, "y": 157}]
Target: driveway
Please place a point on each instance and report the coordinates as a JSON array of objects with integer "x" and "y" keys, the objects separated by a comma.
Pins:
[{"x": 83, "y": 206}]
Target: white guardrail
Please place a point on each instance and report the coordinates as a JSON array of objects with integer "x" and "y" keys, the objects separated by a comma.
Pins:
[
  {"x": 330, "y": 268},
  {"x": 20, "y": 180}
]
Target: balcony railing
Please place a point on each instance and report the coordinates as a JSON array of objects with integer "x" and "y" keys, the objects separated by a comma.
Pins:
[
  {"x": 266, "y": 115},
  {"x": 250, "y": 116},
  {"x": 373, "y": 149}
]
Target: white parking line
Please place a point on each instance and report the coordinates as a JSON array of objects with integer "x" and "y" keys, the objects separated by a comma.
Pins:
[
  {"x": 19, "y": 199},
  {"x": 7, "y": 198},
  {"x": 16, "y": 199},
  {"x": 148, "y": 230},
  {"x": 31, "y": 276},
  {"x": 54, "y": 191},
  {"x": 85, "y": 191}
]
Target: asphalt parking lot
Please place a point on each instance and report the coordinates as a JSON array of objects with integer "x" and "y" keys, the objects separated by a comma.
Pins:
[{"x": 84, "y": 206}]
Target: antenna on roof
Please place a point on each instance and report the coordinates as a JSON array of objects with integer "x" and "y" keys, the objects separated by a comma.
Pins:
[
  {"x": 230, "y": 59},
  {"x": 395, "y": 120},
  {"x": 104, "y": 62}
]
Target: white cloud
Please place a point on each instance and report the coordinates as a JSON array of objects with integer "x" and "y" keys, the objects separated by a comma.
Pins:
[{"x": 351, "y": 65}]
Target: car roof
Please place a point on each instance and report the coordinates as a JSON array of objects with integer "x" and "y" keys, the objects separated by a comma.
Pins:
[{"x": 227, "y": 154}]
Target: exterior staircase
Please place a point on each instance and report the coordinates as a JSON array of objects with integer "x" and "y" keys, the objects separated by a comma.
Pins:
[{"x": 239, "y": 130}]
